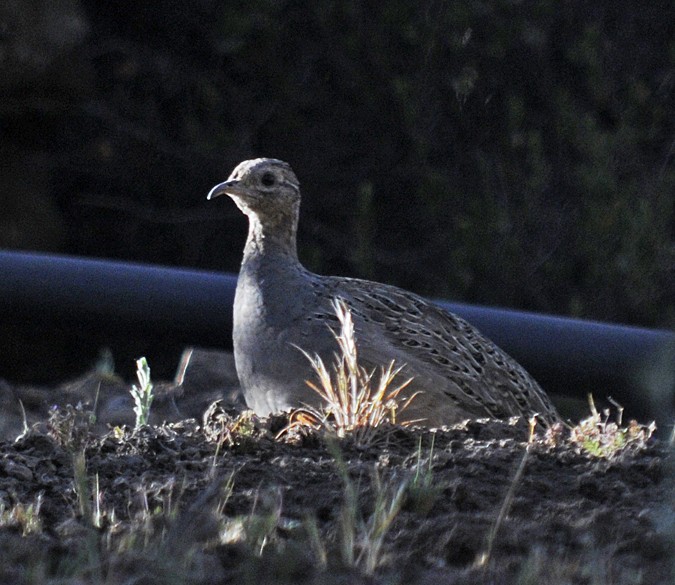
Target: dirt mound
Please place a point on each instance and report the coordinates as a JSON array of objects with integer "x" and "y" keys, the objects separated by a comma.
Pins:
[{"x": 225, "y": 499}]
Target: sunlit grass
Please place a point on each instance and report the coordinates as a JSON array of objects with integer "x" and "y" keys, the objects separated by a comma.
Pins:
[
  {"x": 142, "y": 394},
  {"x": 354, "y": 400}
]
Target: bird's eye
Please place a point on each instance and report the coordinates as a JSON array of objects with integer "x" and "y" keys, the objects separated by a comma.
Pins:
[{"x": 267, "y": 179}]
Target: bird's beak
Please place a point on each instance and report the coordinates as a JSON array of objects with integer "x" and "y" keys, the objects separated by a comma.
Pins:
[{"x": 227, "y": 188}]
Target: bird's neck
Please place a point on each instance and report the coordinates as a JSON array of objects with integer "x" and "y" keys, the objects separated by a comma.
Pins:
[{"x": 275, "y": 237}]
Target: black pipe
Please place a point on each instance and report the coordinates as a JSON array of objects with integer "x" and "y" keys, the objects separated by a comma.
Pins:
[
  {"x": 163, "y": 309},
  {"x": 194, "y": 307}
]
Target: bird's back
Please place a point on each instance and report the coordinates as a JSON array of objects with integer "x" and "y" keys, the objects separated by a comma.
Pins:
[{"x": 459, "y": 372}]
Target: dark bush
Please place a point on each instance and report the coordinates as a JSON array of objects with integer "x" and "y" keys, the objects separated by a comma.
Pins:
[{"x": 511, "y": 153}]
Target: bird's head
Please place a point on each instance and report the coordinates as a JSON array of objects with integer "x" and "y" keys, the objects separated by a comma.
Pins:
[{"x": 262, "y": 187}]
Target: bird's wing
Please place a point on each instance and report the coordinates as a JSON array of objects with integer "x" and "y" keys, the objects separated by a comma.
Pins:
[{"x": 436, "y": 344}]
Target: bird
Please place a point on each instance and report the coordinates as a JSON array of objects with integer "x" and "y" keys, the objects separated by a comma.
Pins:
[{"x": 280, "y": 307}]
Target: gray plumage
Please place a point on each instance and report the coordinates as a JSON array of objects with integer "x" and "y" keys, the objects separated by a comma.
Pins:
[{"x": 280, "y": 306}]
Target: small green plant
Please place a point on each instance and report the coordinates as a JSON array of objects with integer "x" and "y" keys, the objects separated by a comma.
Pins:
[
  {"x": 142, "y": 394},
  {"x": 89, "y": 500},
  {"x": 422, "y": 491},
  {"x": 353, "y": 402},
  {"x": 600, "y": 437},
  {"x": 27, "y": 518},
  {"x": 362, "y": 539}
]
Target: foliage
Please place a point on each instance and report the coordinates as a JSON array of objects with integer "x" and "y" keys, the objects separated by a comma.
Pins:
[
  {"x": 510, "y": 153},
  {"x": 142, "y": 394},
  {"x": 600, "y": 437},
  {"x": 528, "y": 159}
]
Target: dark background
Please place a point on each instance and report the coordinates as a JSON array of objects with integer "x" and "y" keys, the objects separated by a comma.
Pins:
[{"x": 507, "y": 153}]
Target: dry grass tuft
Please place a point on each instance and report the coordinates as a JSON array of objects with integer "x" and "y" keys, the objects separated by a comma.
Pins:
[{"x": 354, "y": 401}]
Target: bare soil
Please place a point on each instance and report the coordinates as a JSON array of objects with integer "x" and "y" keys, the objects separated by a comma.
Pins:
[{"x": 203, "y": 495}]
